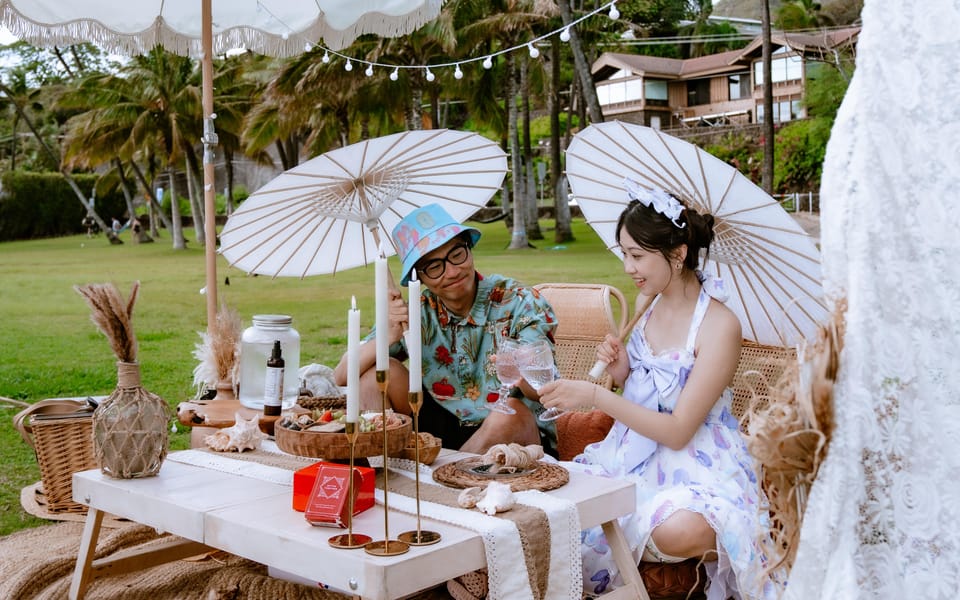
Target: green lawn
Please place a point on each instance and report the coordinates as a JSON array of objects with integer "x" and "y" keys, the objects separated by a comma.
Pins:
[{"x": 50, "y": 348}]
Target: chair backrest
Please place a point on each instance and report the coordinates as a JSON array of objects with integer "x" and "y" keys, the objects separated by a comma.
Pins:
[
  {"x": 760, "y": 368},
  {"x": 585, "y": 315}
]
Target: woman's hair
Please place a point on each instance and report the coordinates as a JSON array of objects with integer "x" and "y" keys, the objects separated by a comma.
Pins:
[{"x": 656, "y": 232}]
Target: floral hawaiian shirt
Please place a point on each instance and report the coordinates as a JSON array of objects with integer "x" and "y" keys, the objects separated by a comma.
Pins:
[{"x": 457, "y": 370}]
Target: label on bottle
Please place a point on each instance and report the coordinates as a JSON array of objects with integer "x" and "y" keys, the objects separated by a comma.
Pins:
[{"x": 273, "y": 391}]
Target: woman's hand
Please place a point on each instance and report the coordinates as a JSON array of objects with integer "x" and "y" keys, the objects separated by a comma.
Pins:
[
  {"x": 614, "y": 353},
  {"x": 569, "y": 394}
]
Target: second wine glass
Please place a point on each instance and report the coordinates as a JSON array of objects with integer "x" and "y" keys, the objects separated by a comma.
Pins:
[
  {"x": 508, "y": 373},
  {"x": 538, "y": 368}
]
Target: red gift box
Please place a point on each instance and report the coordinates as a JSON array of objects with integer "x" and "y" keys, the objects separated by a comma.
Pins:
[
  {"x": 327, "y": 502},
  {"x": 303, "y": 481}
]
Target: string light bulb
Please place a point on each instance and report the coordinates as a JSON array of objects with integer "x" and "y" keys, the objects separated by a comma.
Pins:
[
  {"x": 488, "y": 63},
  {"x": 430, "y": 75},
  {"x": 614, "y": 13},
  {"x": 348, "y": 66},
  {"x": 326, "y": 57},
  {"x": 369, "y": 71},
  {"x": 565, "y": 35},
  {"x": 457, "y": 73},
  {"x": 534, "y": 53},
  {"x": 395, "y": 74},
  {"x": 307, "y": 47}
]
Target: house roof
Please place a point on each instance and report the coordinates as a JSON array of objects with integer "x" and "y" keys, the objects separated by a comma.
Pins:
[
  {"x": 806, "y": 42},
  {"x": 666, "y": 68},
  {"x": 732, "y": 61}
]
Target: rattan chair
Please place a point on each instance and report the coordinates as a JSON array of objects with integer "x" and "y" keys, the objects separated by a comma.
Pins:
[{"x": 585, "y": 315}]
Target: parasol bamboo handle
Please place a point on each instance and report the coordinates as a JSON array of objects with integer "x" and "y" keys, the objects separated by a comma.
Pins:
[{"x": 601, "y": 365}]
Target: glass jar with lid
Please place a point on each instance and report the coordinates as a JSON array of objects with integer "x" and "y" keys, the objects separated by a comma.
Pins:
[{"x": 256, "y": 343}]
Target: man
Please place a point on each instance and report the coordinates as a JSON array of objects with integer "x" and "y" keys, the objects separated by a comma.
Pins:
[{"x": 462, "y": 315}]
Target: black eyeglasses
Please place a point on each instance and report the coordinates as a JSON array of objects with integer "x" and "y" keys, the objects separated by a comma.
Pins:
[{"x": 435, "y": 267}]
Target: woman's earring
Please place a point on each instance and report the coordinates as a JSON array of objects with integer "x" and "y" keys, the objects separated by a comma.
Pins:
[{"x": 678, "y": 266}]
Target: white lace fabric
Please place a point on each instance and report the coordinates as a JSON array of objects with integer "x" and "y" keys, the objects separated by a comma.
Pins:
[
  {"x": 507, "y": 575},
  {"x": 881, "y": 521}
]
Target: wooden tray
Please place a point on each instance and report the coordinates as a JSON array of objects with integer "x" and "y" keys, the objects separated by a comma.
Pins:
[{"x": 332, "y": 446}]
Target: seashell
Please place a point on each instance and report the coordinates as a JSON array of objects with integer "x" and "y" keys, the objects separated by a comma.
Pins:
[
  {"x": 243, "y": 435},
  {"x": 498, "y": 497},
  {"x": 468, "y": 498},
  {"x": 305, "y": 421}
]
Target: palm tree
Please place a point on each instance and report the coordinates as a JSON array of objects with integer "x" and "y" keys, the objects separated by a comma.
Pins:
[{"x": 511, "y": 23}]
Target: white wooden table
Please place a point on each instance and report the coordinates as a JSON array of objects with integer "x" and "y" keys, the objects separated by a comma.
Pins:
[{"x": 254, "y": 519}]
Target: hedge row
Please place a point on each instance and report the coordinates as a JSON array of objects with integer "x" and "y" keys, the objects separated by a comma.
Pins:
[{"x": 38, "y": 205}]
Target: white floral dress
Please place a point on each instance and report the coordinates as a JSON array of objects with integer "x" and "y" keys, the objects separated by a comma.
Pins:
[{"x": 713, "y": 475}]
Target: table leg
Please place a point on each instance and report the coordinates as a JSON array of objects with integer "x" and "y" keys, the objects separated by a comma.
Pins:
[
  {"x": 88, "y": 546},
  {"x": 633, "y": 585}
]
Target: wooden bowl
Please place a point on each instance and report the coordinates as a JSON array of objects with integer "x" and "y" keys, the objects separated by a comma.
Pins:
[
  {"x": 332, "y": 446},
  {"x": 430, "y": 447}
]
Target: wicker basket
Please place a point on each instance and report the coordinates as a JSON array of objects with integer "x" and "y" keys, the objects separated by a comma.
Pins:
[
  {"x": 60, "y": 431},
  {"x": 333, "y": 446}
]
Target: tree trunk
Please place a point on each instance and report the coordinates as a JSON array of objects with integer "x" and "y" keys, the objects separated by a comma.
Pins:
[
  {"x": 562, "y": 232},
  {"x": 581, "y": 66},
  {"x": 195, "y": 194},
  {"x": 152, "y": 199},
  {"x": 529, "y": 176},
  {"x": 768, "y": 149},
  {"x": 176, "y": 231},
  {"x": 88, "y": 205},
  {"x": 228, "y": 168},
  {"x": 415, "y": 110},
  {"x": 519, "y": 237},
  {"x": 137, "y": 233}
]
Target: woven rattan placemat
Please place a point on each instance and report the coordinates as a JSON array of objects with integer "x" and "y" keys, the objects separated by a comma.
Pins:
[{"x": 546, "y": 476}]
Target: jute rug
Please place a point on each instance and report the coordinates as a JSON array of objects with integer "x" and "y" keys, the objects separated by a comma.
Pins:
[{"x": 38, "y": 564}]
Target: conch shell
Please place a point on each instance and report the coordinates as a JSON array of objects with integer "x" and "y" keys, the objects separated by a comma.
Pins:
[
  {"x": 510, "y": 458},
  {"x": 497, "y": 497},
  {"x": 243, "y": 435}
]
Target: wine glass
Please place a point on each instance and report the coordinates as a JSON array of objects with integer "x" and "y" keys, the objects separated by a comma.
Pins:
[
  {"x": 508, "y": 373},
  {"x": 538, "y": 368}
]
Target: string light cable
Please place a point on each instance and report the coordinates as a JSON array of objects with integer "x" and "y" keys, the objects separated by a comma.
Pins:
[{"x": 486, "y": 59}]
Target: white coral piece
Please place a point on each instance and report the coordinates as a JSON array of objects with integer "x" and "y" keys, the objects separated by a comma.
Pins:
[
  {"x": 498, "y": 497},
  {"x": 243, "y": 435}
]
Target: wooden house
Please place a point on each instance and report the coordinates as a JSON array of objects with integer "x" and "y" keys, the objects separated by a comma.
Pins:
[{"x": 724, "y": 88}]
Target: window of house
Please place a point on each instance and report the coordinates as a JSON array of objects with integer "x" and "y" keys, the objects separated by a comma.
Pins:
[
  {"x": 619, "y": 91},
  {"x": 782, "y": 68},
  {"x": 698, "y": 92},
  {"x": 655, "y": 91},
  {"x": 784, "y": 110},
  {"x": 739, "y": 86}
]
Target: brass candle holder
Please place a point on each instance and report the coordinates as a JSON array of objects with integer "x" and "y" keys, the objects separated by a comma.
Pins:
[
  {"x": 419, "y": 537},
  {"x": 349, "y": 540},
  {"x": 386, "y": 546}
]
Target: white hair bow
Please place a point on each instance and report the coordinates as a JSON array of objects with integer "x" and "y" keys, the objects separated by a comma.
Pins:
[{"x": 659, "y": 200}]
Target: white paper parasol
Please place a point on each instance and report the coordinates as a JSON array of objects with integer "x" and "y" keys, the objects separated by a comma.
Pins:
[
  {"x": 331, "y": 212},
  {"x": 770, "y": 264},
  {"x": 196, "y": 27}
]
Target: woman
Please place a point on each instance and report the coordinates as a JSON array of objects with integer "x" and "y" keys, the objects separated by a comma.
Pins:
[{"x": 675, "y": 436}]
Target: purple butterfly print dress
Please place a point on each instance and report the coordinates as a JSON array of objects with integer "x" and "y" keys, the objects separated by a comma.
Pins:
[{"x": 713, "y": 475}]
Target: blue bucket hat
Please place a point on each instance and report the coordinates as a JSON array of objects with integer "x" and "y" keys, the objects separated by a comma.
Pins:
[{"x": 423, "y": 231}]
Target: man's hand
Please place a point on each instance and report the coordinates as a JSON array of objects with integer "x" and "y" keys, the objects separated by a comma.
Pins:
[{"x": 398, "y": 316}]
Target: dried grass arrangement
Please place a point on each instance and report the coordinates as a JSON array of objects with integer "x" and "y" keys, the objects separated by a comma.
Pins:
[
  {"x": 218, "y": 354},
  {"x": 790, "y": 436},
  {"x": 130, "y": 426}
]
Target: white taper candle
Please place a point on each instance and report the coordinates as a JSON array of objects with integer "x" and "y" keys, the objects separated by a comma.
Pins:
[
  {"x": 414, "y": 333},
  {"x": 383, "y": 311},
  {"x": 353, "y": 362}
]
